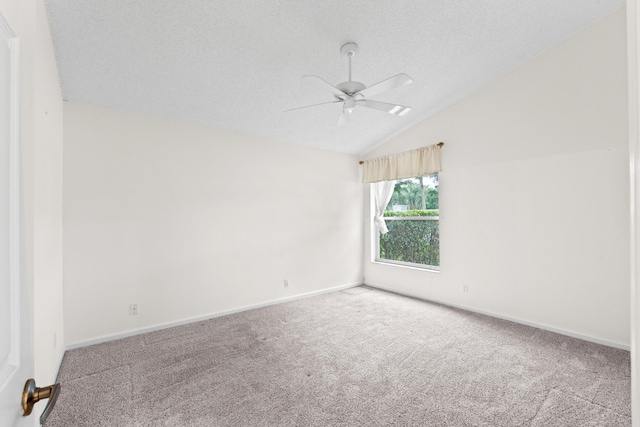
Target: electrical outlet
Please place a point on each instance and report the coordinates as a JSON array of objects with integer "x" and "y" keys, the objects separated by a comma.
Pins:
[
  {"x": 465, "y": 289},
  {"x": 286, "y": 283},
  {"x": 133, "y": 309}
]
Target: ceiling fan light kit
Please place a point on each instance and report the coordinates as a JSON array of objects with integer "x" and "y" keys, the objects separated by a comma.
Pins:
[{"x": 352, "y": 93}]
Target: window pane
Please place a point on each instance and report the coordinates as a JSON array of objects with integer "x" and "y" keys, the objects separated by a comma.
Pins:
[
  {"x": 412, "y": 240},
  {"x": 413, "y": 222}
]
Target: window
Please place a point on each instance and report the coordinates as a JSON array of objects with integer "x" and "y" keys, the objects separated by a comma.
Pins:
[{"x": 412, "y": 218}]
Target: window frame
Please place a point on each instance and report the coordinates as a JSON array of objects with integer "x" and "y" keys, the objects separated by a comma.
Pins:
[{"x": 376, "y": 240}]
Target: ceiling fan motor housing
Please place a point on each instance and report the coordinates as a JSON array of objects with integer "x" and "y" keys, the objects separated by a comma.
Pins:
[{"x": 350, "y": 88}]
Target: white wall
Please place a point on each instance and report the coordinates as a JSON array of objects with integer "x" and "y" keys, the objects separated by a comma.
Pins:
[
  {"x": 188, "y": 221},
  {"x": 534, "y": 193},
  {"x": 41, "y": 145}
]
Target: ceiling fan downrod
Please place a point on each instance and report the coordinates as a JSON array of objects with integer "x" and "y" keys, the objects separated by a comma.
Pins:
[
  {"x": 350, "y": 87},
  {"x": 350, "y": 49}
]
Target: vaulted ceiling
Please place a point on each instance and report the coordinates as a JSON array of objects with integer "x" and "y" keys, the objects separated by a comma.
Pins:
[{"x": 238, "y": 64}]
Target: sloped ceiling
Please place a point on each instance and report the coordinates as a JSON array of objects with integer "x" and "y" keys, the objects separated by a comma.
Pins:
[{"x": 237, "y": 64}]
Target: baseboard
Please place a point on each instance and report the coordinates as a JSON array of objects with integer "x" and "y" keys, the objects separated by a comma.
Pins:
[
  {"x": 510, "y": 319},
  {"x": 133, "y": 332}
]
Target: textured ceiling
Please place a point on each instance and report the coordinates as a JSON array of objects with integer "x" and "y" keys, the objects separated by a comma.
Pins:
[{"x": 237, "y": 64}]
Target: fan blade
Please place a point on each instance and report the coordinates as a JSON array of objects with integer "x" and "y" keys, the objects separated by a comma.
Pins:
[
  {"x": 398, "y": 110},
  {"x": 344, "y": 118},
  {"x": 385, "y": 85},
  {"x": 321, "y": 84},
  {"x": 314, "y": 105}
]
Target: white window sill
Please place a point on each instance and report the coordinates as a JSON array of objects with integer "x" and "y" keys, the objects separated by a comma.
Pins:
[{"x": 419, "y": 267}]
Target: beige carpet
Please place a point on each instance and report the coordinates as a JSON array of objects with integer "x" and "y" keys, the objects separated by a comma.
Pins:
[{"x": 358, "y": 357}]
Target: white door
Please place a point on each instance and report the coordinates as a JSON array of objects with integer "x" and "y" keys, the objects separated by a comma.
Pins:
[{"x": 16, "y": 359}]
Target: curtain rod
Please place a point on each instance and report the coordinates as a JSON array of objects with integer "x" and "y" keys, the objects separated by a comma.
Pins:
[{"x": 439, "y": 144}]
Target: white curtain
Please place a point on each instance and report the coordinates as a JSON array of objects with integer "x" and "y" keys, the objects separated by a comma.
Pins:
[
  {"x": 410, "y": 164},
  {"x": 382, "y": 192}
]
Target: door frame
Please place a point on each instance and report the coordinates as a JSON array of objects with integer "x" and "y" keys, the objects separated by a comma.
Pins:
[
  {"x": 633, "y": 61},
  {"x": 8, "y": 370}
]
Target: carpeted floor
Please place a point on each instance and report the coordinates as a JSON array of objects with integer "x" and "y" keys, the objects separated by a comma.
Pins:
[{"x": 358, "y": 357}]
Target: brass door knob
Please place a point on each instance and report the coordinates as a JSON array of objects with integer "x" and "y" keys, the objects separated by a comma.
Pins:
[{"x": 32, "y": 395}]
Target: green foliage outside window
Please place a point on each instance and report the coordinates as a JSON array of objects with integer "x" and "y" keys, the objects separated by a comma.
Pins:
[
  {"x": 414, "y": 241},
  {"x": 414, "y": 212},
  {"x": 416, "y": 193}
]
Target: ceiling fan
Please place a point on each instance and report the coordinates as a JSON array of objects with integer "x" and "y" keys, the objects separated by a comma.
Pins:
[{"x": 352, "y": 93}]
